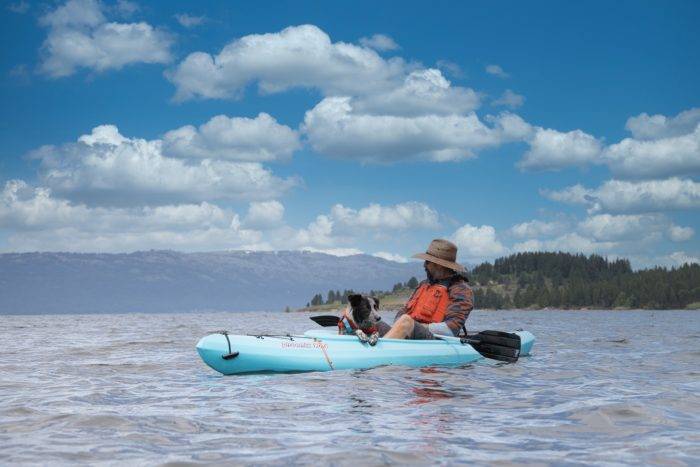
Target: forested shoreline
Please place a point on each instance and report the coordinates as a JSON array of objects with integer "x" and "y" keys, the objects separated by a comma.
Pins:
[{"x": 563, "y": 281}]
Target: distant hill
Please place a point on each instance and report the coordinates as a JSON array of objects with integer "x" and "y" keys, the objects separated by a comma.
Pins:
[{"x": 168, "y": 281}]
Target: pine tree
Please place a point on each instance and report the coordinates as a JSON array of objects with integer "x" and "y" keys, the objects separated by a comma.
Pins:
[
  {"x": 317, "y": 300},
  {"x": 479, "y": 298},
  {"x": 518, "y": 300}
]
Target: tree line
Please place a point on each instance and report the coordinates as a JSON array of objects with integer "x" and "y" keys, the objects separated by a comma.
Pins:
[
  {"x": 334, "y": 296},
  {"x": 564, "y": 280}
]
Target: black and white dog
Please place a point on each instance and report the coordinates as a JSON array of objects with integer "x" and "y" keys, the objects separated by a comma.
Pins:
[{"x": 365, "y": 316}]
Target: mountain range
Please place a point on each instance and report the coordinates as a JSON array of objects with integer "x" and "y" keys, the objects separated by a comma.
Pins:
[{"x": 170, "y": 281}]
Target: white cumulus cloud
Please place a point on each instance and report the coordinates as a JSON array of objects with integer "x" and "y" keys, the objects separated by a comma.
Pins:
[
  {"x": 298, "y": 56},
  {"x": 403, "y": 216},
  {"x": 510, "y": 99},
  {"x": 609, "y": 227},
  {"x": 619, "y": 196},
  {"x": 335, "y": 129},
  {"x": 659, "y": 147},
  {"x": 343, "y": 228},
  {"x": 81, "y": 37},
  {"x": 190, "y": 21},
  {"x": 451, "y": 68},
  {"x": 511, "y": 127},
  {"x": 554, "y": 150},
  {"x": 537, "y": 228},
  {"x": 679, "y": 258},
  {"x": 304, "y": 56},
  {"x": 106, "y": 167},
  {"x": 264, "y": 214},
  {"x": 666, "y": 156},
  {"x": 318, "y": 235},
  {"x": 478, "y": 243},
  {"x": 678, "y": 233},
  {"x": 423, "y": 92},
  {"x": 651, "y": 127},
  {"x": 570, "y": 242},
  {"x": 496, "y": 70},
  {"x": 630, "y": 235},
  {"x": 37, "y": 221},
  {"x": 380, "y": 42},
  {"x": 257, "y": 139}
]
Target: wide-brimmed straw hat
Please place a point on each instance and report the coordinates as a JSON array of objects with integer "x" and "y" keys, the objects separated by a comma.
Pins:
[{"x": 442, "y": 252}]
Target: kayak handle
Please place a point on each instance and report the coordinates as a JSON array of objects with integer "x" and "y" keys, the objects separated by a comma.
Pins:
[{"x": 230, "y": 355}]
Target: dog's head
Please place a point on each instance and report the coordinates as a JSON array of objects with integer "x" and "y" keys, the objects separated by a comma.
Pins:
[{"x": 364, "y": 310}]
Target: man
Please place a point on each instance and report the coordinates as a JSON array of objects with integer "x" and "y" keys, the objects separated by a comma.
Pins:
[{"x": 439, "y": 305}]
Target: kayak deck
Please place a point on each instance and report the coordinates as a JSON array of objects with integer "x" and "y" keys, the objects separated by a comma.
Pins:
[{"x": 322, "y": 350}]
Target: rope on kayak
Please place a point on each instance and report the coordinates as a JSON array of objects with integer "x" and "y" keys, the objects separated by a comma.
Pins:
[
  {"x": 449, "y": 344},
  {"x": 278, "y": 336},
  {"x": 325, "y": 354}
]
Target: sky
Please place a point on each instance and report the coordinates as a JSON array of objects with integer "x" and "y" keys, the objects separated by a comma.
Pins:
[{"x": 352, "y": 127}]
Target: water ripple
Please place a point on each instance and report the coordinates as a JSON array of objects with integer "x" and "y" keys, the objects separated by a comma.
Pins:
[{"x": 614, "y": 388}]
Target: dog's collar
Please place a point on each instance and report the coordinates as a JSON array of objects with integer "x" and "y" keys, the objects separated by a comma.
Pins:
[{"x": 353, "y": 325}]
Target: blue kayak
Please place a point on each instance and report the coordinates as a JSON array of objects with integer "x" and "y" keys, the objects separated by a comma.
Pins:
[{"x": 324, "y": 350}]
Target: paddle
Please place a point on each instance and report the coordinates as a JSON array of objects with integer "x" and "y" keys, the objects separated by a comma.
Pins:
[
  {"x": 326, "y": 321},
  {"x": 497, "y": 345}
]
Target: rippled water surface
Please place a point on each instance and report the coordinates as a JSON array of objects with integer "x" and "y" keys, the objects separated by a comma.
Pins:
[{"x": 601, "y": 387}]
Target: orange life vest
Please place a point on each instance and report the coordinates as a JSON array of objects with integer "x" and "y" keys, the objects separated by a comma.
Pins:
[{"x": 428, "y": 303}]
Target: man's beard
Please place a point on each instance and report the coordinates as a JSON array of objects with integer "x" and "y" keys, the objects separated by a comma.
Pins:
[{"x": 431, "y": 279}]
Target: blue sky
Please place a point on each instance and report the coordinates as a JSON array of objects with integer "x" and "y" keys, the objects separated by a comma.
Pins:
[{"x": 352, "y": 127}]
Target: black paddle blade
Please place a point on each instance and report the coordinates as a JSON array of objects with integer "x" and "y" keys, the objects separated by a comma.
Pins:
[
  {"x": 498, "y": 345},
  {"x": 326, "y": 321}
]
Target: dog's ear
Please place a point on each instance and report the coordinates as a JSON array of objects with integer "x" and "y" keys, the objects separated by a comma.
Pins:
[{"x": 355, "y": 299}]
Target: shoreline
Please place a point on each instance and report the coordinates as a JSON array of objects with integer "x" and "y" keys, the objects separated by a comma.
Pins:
[{"x": 325, "y": 309}]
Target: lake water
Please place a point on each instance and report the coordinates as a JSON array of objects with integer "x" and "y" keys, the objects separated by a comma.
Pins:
[{"x": 602, "y": 387}]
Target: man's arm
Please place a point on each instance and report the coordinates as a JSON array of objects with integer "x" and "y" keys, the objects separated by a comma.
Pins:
[{"x": 461, "y": 304}]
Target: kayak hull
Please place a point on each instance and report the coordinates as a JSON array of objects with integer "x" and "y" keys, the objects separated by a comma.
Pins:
[{"x": 321, "y": 350}]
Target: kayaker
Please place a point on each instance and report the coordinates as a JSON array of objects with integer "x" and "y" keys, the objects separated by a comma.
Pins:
[{"x": 440, "y": 304}]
